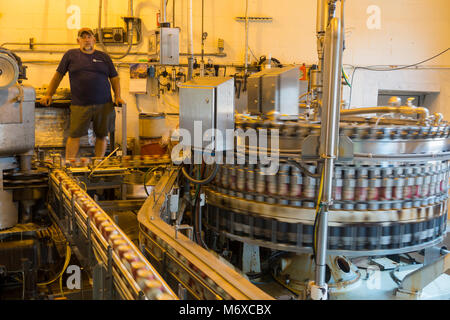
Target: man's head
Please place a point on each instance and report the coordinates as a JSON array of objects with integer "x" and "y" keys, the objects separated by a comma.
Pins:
[{"x": 86, "y": 40}]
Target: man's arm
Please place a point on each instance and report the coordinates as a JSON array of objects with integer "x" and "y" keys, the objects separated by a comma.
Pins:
[
  {"x": 54, "y": 83},
  {"x": 115, "y": 84}
]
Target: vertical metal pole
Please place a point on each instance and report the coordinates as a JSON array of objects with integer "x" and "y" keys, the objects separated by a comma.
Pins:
[
  {"x": 124, "y": 129},
  {"x": 163, "y": 16},
  {"x": 321, "y": 25},
  {"x": 89, "y": 242},
  {"x": 98, "y": 278},
  {"x": 109, "y": 284},
  {"x": 246, "y": 36},
  {"x": 202, "y": 62},
  {"x": 329, "y": 136},
  {"x": 322, "y": 16},
  {"x": 130, "y": 8},
  {"x": 173, "y": 13},
  {"x": 191, "y": 44},
  {"x": 182, "y": 292}
]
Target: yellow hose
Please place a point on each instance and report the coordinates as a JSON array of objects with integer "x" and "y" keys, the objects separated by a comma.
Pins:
[
  {"x": 319, "y": 198},
  {"x": 66, "y": 263}
]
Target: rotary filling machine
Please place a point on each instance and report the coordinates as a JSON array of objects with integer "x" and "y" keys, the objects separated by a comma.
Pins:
[{"x": 353, "y": 193}]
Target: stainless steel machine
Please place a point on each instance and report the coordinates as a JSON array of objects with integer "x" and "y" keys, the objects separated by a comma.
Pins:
[
  {"x": 268, "y": 204},
  {"x": 361, "y": 184},
  {"x": 16, "y": 133}
]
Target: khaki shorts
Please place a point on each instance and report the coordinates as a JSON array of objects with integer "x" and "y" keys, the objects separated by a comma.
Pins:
[{"x": 103, "y": 117}]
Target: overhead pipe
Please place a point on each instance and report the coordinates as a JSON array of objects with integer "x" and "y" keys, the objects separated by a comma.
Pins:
[
  {"x": 31, "y": 44},
  {"x": 209, "y": 54}
]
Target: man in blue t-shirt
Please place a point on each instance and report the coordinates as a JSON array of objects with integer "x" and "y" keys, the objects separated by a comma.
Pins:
[{"x": 91, "y": 74}]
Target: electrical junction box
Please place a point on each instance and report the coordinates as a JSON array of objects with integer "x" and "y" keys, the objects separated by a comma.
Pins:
[
  {"x": 111, "y": 35},
  {"x": 164, "y": 45},
  {"x": 274, "y": 90},
  {"x": 207, "y": 103}
]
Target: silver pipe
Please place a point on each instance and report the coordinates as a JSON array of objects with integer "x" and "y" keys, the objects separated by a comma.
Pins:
[
  {"x": 202, "y": 61},
  {"x": 322, "y": 16},
  {"x": 130, "y": 8},
  {"x": 246, "y": 36},
  {"x": 321, "y": 25},
  {"x": 124, "y": 129},
  {"x": 173, "y": 13},
  {"x": 203, "y": 26},
  {"x": 191, "y": 44},
  {"x": 99, "y": 26},
  {"x": 163, "y": 17},
  {"x": 342, "y": 23},
  {"x": 331, "y": 10},
  {"x": 209, "y": 54},
  {"x": 329, "y": 137},
  {"x": 37, "y": 44},
  {"x": 405, "y": 157}
]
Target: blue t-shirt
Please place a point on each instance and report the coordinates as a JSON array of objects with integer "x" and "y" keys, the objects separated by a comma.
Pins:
[{"x": 89, "y": 76}]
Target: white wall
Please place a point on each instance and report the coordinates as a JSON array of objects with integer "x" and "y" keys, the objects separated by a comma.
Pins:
[{"x": 409, "y": 31}]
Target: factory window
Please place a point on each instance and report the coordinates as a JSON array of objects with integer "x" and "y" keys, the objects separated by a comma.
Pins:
[{"x": 384, "y": 95}]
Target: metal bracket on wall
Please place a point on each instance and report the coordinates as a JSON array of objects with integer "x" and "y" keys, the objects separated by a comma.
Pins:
[{"x": 254, "y": 19}]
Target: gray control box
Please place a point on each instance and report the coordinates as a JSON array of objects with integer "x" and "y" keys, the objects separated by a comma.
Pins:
[
  {"x": 274, "y": 90},
  {"x": 164, "y": 45},
  {"x": 207, "y": 103}
]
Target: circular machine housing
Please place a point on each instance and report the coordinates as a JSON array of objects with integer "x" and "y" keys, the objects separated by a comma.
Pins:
[
  {"x": 17, "y": 104},
  {"x": 9, "y": 71},
  {"x": 391, "y": 197}
]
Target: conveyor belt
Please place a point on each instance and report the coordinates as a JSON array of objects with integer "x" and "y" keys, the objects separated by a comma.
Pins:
[
  {"x": 200, "y": 272},
  {"x": 133, "y": 276}
]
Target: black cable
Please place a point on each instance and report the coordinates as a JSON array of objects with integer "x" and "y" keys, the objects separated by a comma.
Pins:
[
  {"x": 351, "y": 87},
  {"x": 408, "y": 66},
  {"x": 390, "y": 69},
  {"x": 150, "y": 170},
  {"x": 263, "y": 59},
  {"x": 211, "y": 176},
  {"x": 316, "y": 218},
  {"x": 200, "y": 172},
  {"x": 197, "y": 212},
  {"x": 303, "y": 169},
  {"x": 194, "y": 214}
]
